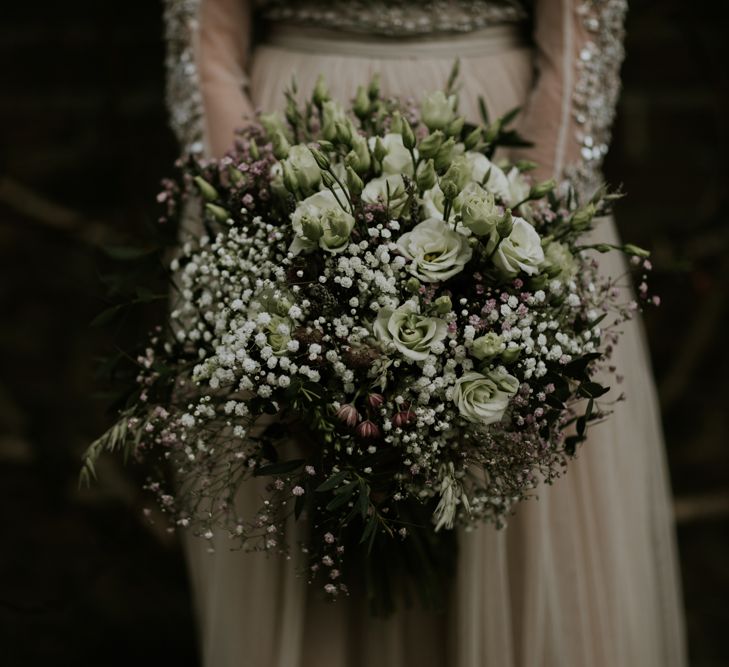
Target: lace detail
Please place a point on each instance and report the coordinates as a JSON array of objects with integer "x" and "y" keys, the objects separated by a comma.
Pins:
[
  {"x": 184, "y": 97},
  {"x": 393, "y": 17},
  {"x": 597, "y": 88}
]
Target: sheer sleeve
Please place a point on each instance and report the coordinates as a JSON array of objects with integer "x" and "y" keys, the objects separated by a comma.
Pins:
[
  {"x": 579, "y": 50},
  {"x": 207, "y": 48}
]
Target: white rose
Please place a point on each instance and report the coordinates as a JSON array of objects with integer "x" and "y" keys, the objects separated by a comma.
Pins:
[
  {"x": 414, "y": 335},
  {"x": 388, "y": 190},
  {"x": 520, "y": 251},
  {"x": 483, "y": 399},
  {"x": 398, "y": 159},
  {"x": 320, "y": 220},
  {"x": 436, "y": 250}
]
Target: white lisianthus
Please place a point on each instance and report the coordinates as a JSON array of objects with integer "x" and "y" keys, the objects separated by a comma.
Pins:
[
  {"x": 496, "y": 183},
  {"x": 320, "y": 220},
  {"x": 433, "y": 203},
  {"x": 520, "y": 251},
  {"x": 278, "y": 334},
  {"x": 398, "y": 159},
  {"x": 487, "y": 346},
  {"x": 518, "y": 187},
  {"x": 436, "y": 250},
  {"x": 483, "y": 399},
  {"x": 389, "y": 190},
  {"x": 559, "y": 261},
  {"x": 413, "y": 334},
  {"x": 438, "y": 111},
  {"x": 478, "y": 210},
  {"x": 303, "y": 167}
]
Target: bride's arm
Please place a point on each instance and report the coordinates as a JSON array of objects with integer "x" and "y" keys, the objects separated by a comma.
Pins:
[
  {"x": 579, "y": 50},
  {"x": 207, "y": 47}
]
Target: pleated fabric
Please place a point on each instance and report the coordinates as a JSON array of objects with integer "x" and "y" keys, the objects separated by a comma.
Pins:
[{"x": 583, "y": 576}]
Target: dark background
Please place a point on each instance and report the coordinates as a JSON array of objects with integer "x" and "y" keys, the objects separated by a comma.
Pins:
[{"x": 83, "y": 144}]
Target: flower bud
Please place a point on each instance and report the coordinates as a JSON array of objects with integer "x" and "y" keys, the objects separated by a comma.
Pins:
[
  {"x": 455, "y": 128},
  {"x": 403, "y": 418},
  {"x": 380, "y": 150},
  {"x": 354, "y": 182},
  {"x": 207, "y": 191},
  {"x": 396, "y": 123},
  {"x": 542, "y": 189},
  {"x": 344, "y": 132},
  {"x": 236, "y": 176},
  {"x": 272, "y": 123},
  {"x": 582, "y": 217},
  {"x": 362, "y": 151},
  {"x": 348, "y": 414},
  {"x": 253, "y": 149},
  {"x": 408, "y": 136},
  {"x": 374, "y": 88},
  {"x": 473, "y": 139},
  {"x": 280, "y": 146},
  {"x": 311, "y": 229},
  {"x": 437, "y": 110},
  {"x": 328, "y": 180},
  {"x": 321, "y": 159},
  {"x": 486, "y": 346},
  {"x": 458, "y": 173},
  {"x": 635, "y": 250},
  {"x": 361, "y": 106},
  {"x": 450, "y": 189},
  {"x": 526, "y": 165},
  {"x": 443, "y": 304},
  {"x": 321, "y": 92},
  {"x": 510, "y": 355},
  {"x": 368, "y": 430},
  {"x": 506, "y": 224},
  {"x": 445, "y": 155},
  {"x": 218, "y": 212},
  {"x": 429, "y": 146},
  {"x": 426, "y": 176},
  {"x": 412, "y": 285},
  {"x": 375, "y": 400},
  {"x": 289, "y": 178}
]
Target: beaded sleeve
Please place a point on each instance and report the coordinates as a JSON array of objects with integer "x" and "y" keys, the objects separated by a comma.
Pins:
[
  {"x": 579, "y": 51},
  {"x": 184, "y": 95}
]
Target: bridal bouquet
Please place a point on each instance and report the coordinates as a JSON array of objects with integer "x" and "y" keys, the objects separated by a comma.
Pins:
[{"x": 395, "y": 333}]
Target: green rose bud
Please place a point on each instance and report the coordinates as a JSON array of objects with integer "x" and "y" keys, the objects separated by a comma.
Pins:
[
  {"x": 412, "y": 285},
  {"x": 426, "y": 176},
  {"x": 361, "y": 106},
  {"x": 354, "y": 182},
  {"x": 437, "y": 111},
  {"x": 443, "y": 304},
  {"x": 429, "y": 146},
  {"x": 281, "y": 146},
  {"x": 510, "y": 355},
  {"x": 487, "y": 346},
  {"x": 207, "y": 191}
]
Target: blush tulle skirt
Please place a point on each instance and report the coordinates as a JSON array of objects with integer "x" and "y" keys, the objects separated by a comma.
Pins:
[{"x": 583, "y": 576}]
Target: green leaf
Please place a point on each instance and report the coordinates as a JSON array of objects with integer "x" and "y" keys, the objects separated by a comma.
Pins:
[
  {"x": 592, "y": 390},
  {"x": 127, "y": 253},
  {"x": 364, "y": 499},
  {"x": 279, "y": 468},
  {"x": 483, "y": 110},
  {"x": 509, "y": 116},
  {"x": 332, "y": 482},
  {"x": 341, "y": 497},
  {"x": 107, "y": 315}
]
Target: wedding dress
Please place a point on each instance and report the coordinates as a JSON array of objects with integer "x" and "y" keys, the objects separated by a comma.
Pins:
[{"x": 586, "y": 575}]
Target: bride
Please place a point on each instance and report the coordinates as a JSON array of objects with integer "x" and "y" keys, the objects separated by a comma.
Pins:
[{"x": 585, "y": 575}]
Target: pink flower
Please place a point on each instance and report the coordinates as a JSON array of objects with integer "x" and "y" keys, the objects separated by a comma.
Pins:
[
  {"x": 375, "y": 400},
  {"x": 348, "y": 414},
  {"x": 298, "y": 491},
  {"x": 368, "y": 430},
  {"x": 403, "y": 418}
]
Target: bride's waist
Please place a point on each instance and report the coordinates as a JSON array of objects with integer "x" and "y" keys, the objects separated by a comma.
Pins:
[{"x": 328, "y": 41}]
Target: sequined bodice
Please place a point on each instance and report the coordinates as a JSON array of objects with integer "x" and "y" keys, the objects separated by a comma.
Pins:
[{"x": 395, "y": 17}]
